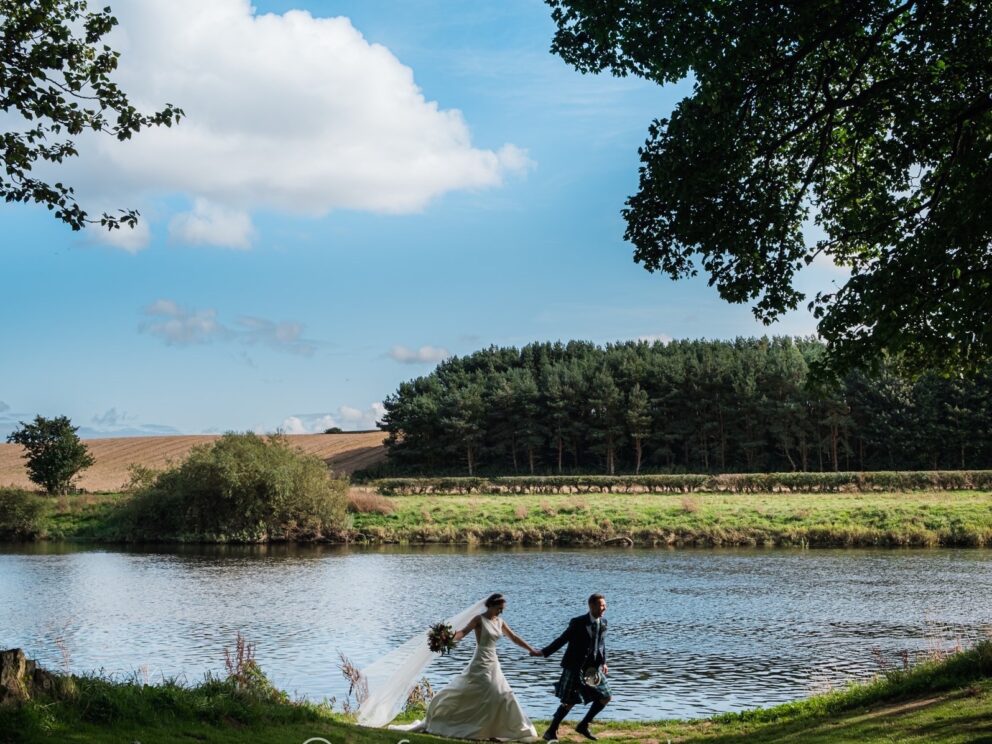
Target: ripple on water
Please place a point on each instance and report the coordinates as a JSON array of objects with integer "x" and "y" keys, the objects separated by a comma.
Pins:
[{"x": 692, "y": 632}]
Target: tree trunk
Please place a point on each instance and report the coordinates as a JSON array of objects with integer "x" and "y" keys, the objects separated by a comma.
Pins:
[
  {"x": 788, "y": 456},
  {"x": 748, "y": 450},
  {"x": 530, "y": 458},
  {"x": 637, "y": 451},
  {"x": 723, "y": 442},
  {"x": 470, "y": 457},
  {"x": 834, "y": 436},
  {"x": 802, "y": 450},
  {"x": 513, "y": 450},
  {"x": 561, "y": 453}
]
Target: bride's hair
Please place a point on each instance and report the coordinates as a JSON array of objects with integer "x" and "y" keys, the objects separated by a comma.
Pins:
[{"x": 495, "y": 599}]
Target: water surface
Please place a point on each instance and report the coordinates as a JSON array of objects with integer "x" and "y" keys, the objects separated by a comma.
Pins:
[{"x": 692, "y": 632}]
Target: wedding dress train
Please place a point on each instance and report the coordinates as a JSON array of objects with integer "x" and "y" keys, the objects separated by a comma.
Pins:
[{"x": 478, "y": 703}]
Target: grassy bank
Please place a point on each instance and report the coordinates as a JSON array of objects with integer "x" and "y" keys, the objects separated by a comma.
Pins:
[
  {"x": 949, "y": 700},
  {"x": 961, "y": 518},
  {"x": 914, "y": 519}
]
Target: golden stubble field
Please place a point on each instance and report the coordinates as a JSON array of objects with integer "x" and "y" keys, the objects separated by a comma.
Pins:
[{"x": 344, "y": 453}]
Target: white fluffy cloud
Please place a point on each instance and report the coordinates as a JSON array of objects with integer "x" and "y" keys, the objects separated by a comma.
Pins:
[
  {"x": 285, "y": 112},
  {"x": 181, "y": 326},
  {"x": 347, "y": 418},
  {"x": 127, "y": 239},
  {"x": 211, "y": 224},
  {"x": 423, "y": 355}
]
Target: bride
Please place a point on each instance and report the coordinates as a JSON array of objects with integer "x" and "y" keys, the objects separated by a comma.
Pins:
[{"x": 478, "y": 703}]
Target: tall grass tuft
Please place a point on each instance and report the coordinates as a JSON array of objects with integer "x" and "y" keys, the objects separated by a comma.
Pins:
[
  {"x": 357, "y": 684},
  {"x": 361, "y": 501},
  {"x": 244, "y": 673}
]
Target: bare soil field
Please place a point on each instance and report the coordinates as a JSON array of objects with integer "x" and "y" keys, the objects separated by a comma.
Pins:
[{"x": 343, "y": 453}]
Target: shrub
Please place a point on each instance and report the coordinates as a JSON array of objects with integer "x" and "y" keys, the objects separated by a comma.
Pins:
[
  {"x": 241, "y": 488},
  {"x": 926, "y": 480},
  {"x": 22, "y": 514},
  {"x": 139, "y": 477}
]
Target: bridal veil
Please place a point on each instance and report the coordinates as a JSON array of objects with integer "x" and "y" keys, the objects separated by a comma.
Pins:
[{"x": 391, "y": 677}]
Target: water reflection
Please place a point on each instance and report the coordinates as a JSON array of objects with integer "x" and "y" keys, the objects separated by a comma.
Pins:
[{"x": 692, "y": 632}]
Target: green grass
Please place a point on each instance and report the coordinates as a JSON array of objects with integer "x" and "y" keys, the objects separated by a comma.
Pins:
[
  {"x": 910, "y": 519},
  {"x": 947, "y": 700},
  {"x": 961, "y": 518},
  {"x": 83, "y": 517}
]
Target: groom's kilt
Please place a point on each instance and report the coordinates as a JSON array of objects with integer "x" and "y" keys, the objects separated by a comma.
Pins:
[{"x": 571, "y": 689}]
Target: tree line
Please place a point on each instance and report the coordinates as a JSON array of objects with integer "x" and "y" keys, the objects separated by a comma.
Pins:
[{"x": 748, "y": 405}]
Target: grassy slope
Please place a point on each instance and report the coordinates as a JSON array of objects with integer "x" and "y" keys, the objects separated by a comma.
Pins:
[
  {"x": 958, "y": 717},
  {"x": 910, "y": 518},
  {"x": 948, "y": 701},
  {"x": 916, "y": 518}
]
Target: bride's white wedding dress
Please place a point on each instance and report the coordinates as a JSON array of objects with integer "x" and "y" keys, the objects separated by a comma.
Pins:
[{"x": 478, "y": 703}]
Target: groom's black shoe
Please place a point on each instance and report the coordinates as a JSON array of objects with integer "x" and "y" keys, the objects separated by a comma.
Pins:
[
  {"x": 584, "y": 730},
  {"x": 550, "y": 735}
]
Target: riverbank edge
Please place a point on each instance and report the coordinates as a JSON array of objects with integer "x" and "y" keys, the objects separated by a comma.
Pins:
[
  {"x": 920, "y": 520},
  {"x": 955, "y": 690}
]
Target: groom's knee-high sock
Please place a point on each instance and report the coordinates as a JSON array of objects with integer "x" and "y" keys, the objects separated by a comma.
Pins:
[
  {"x": 594, "y": 710},
  {"x": 559, "y": 716}
]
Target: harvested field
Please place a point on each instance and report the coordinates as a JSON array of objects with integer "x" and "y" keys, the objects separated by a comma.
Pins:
[{"x": 343, "y": 453}]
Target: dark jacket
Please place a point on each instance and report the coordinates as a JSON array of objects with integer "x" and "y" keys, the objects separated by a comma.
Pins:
[{"x": 579, "y": 637}]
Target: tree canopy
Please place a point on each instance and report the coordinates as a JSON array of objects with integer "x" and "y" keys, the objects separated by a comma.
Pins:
[
  {"x": 55, "y": 76},
  {"x": 54, "y": 452},
  {"x": 688, "y": 406},
  {"x": 870, "y": 118}
]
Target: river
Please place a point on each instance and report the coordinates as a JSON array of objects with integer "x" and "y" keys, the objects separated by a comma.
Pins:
[{"x": 691, "y": 632}]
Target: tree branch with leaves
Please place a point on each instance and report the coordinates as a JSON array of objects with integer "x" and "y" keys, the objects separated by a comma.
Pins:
[
  {"x": 871, "y": 119},
  {"x": 55, "y": 75}
]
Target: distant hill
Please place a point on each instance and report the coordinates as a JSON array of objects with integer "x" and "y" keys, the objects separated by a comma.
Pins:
[{"x": 343, "y": 453}]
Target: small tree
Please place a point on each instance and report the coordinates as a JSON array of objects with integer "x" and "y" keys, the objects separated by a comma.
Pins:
[
  {"x": 53, "y": 451},
  {"x": 638, "y": 422}
]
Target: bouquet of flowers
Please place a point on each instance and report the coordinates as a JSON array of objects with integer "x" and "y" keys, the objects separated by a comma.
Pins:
[{"x": 441, "y": 638}]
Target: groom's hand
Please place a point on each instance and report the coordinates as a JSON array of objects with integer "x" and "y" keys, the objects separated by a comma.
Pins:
[{"x": 535, "y": 652}]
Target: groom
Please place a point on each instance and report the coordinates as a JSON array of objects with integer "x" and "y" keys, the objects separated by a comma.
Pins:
[{"x": 584, "y": 658}]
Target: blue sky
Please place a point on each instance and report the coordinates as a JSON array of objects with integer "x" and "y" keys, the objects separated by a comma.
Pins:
[{"x": 316, "y": 233}]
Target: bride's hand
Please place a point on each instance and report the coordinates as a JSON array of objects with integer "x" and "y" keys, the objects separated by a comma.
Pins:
[
  {"x": 535, "y": 652},
  {"x": 459, "y": 635}
]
